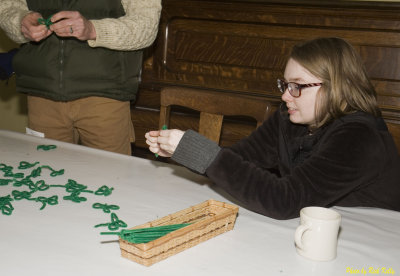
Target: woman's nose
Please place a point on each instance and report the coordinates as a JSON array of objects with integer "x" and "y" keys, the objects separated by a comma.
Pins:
[{"x": 286, "y": 97}]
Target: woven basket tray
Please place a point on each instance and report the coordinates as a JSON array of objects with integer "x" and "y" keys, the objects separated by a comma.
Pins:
[{"x": 208, "y": 219}]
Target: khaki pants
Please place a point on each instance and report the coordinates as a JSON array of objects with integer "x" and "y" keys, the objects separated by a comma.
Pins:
[{"x": 95, "y": 122}]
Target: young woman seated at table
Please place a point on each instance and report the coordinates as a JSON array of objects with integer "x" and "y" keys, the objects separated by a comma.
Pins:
[{"x": 326, "y": 146}]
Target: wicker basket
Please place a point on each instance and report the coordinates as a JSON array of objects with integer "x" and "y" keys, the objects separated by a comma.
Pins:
[{"x": 208, "y": 219}]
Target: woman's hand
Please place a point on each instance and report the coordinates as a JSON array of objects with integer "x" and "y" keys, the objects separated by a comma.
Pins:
[
  {"x": 31, "y": 29},
  {"x": 164, "y": 142},
  {"x": 72, "y": 24}
]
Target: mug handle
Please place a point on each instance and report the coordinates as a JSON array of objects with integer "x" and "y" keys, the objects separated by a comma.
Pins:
[{"x": 299, "y": 235}]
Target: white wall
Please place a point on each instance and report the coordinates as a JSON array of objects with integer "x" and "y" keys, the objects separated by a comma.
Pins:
[{"x": 13, "y": 111}]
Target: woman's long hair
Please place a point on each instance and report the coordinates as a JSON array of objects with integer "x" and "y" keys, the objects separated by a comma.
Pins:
[{"x": 346, "y": 86}]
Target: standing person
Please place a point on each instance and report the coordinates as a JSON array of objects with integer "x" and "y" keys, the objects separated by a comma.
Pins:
[
  {"x": 327, "y": 144},
  {"x": 80, "y": 64}
]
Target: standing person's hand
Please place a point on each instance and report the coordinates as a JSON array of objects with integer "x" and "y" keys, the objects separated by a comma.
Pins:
[
  {"x": 31, "y": 29},
  {"x": 164, "y": 142},
  {"x": 72, "y": 24}
]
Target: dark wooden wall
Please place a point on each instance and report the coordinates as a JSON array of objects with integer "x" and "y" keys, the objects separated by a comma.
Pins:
[{"x": 242, "y": 46}]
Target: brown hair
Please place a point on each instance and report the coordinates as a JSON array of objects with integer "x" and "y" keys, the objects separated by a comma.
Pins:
[{"x": 346, "y": 86}]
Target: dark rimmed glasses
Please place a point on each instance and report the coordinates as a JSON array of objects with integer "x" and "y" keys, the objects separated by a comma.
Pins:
[{"x": 294, "y": 88}]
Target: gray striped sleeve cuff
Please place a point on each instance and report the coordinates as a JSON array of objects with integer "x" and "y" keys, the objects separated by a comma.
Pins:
[{"x": 195, "y": 151}]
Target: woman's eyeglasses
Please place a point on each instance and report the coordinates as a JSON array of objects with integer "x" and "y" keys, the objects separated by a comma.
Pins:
[{"x": 294, "y": 88}]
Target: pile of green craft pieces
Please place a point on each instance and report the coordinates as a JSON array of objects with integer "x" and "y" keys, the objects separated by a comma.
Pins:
[{"x": 27, "y": 180}]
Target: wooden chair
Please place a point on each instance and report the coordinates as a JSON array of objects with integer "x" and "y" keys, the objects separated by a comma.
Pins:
[{"x": 212, "y": 107}]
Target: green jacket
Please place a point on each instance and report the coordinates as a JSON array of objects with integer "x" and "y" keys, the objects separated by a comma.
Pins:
[{"x": 64, "y": 69}]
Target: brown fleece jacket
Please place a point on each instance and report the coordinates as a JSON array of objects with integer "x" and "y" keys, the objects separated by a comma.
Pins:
[{"x": 281, "y": 168}]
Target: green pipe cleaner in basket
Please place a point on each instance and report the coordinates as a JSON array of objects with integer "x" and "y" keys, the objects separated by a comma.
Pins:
[{"x": 144, "y": 235}]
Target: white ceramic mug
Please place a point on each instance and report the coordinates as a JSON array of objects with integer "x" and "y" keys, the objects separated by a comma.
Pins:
[{"x": 316, "y": 236}]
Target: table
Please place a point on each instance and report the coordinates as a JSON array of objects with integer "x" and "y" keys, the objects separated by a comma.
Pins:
[{"x": 61, "y": 239}]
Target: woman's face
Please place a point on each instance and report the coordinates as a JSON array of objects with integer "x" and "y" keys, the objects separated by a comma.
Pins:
[{"x": 301, "y": 109}]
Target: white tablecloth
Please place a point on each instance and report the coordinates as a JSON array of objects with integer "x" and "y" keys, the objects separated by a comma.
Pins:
[{"x": 62, "y": 240}]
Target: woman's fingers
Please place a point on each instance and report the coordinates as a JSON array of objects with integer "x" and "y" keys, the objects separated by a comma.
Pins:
[
  {"x": 72, "y": 24},
  {"x": 151, "y": 136},
  {"x": 31, "y": 29},
  {"x": 163, "y": 142}
]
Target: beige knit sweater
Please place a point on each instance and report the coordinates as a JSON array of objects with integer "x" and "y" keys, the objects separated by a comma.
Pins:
[{"x": 136, "y": 30}]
